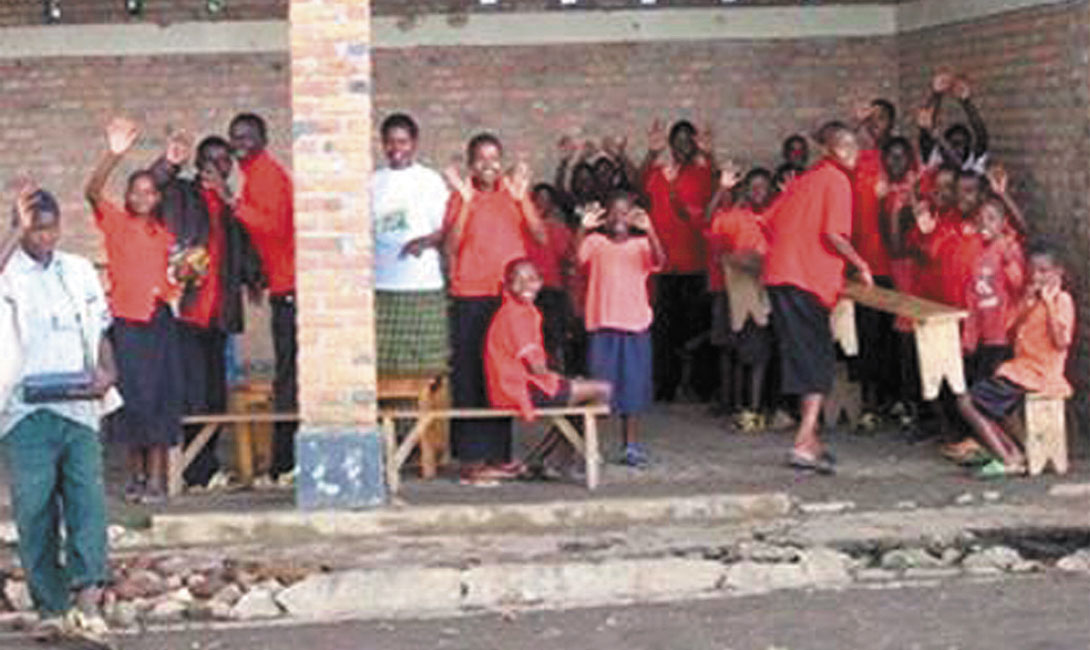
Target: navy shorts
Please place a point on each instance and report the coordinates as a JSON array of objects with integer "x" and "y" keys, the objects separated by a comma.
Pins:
[
  {"x": 805, "y": 337},
  {"x": 624, "y": 360},
  {"x": 541, "y": 400},
  {"x": 997, "y": 397}
]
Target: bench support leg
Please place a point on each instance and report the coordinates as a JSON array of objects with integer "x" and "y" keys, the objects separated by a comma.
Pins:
[
  {"x": 175, "y": 469},
  {"x": 593, "y": 459},
  {"x": 938, "y": 345},
  {"x": 1046, "y": 434}
]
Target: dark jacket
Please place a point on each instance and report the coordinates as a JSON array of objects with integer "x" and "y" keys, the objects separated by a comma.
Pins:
[{"x": 186, "y": 216}]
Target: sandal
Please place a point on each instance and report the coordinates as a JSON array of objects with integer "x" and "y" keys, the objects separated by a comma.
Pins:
[
  {"x": 995, "y": 469},
  {"x": 959, "y": 452},
  {"x": 820, "y": 465},
  {"x": 135, "y": 488}
]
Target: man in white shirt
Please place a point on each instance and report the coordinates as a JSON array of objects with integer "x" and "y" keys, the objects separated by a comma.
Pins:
[
  {"x": 408, "y": 202},
  {"x": 57, "y": 316}
]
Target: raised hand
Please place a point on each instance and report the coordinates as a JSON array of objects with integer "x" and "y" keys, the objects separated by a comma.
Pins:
[
  {"x": 593, "y": 215},
  {"x": 638, "y": 218},
  {"x": 179, "y": 147},
  {"x": 925, "y": 221},
  {"x": 518, "y": 183},
  {"x": 656, "y": 137},
  {"x": 998, "y": 179},
  {"x": 925, "y": 118},
  {"x": 460, "y": 185},
  {"x": 705, "y": 138},
  {"x": 961, "y": 89},
  {"x": 615, "y": 146},
  {"x": 942, "y": 82},
  {"x": 864, "y": 110},
  {"x": 590, "y": 147},
  {"x": 729, "y": 175},
  {"x": 213, "y": 180},
  {"x": 24, "y": 204},
  {"x": 121, "y": 134},
  {"x": 670, "y": 171},
  {"x": 881, "y": 188},
  {"x": 567, "y": 147}
]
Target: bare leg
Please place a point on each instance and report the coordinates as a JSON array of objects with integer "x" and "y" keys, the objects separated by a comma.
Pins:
[
  {"x": 807, "y": 441},
  {"x": 587, "y": 391},
  {"x": 990, "y": 433},
  {"x": 136, "y": 463},
  {"x": 157, "y": 463},
  {"x": 630, "y": 427}
]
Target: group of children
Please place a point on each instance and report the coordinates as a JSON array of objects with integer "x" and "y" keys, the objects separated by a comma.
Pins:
[{"x": 753, "y": 263}]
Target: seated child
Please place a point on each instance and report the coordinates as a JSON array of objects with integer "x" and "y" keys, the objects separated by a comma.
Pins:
[
  {"x": 740, "y": 313},
  {"x": 515, "y": 362},
  {"x": 618, "y": 260},
  {"x": 1043, "y": 328}
]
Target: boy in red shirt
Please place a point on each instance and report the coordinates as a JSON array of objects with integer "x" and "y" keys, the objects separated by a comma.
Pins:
[
  {"x": 810, "y": 230},
  {"x": 489, "y": 220},
  {"x": 265, "y": 207},
  {"x": 516, "y": 365},
  {"x": 740, "y": 308},
  {"x": 678, "y": 189},
  {"x": 553, "y": 259},
  {"x": 1043, "y": 328},
  {"x": 618, "y": 261}
]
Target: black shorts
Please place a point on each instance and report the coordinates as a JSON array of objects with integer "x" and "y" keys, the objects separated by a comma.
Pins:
[
  {"x": 752, "y": 345},
  {"x": 562, "y": 397},
  {"x": 805, "y": 338},
  {"x": 997, "y": 397}
]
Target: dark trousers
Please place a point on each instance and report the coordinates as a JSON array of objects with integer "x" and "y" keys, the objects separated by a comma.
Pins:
[
  {"x": 555, "y": 313},
  {"x": 878, "y": 367},
  {"x": 474, "y": 440},
  {"x": 285, "y": 387},
  {"x": 204, "y": 368},
  {"x": 682, "y": 313}
]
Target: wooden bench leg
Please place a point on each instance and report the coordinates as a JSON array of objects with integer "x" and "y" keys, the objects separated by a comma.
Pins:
[
  {"x": 938, "y": 346},
  {"x": 429, "y": 460},
  {"x": 1046, "y": 434},
  {"x": 244, "y": 452},
  {"x": 175, "y": 470},
  {"x": 389, "y": 437},
  {"x": 591, "y": 454}
]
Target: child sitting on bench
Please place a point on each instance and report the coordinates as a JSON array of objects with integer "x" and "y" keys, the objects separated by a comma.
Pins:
[
  {"x": 515, "y": 360},
  {"x": 1042, "y": 330}
]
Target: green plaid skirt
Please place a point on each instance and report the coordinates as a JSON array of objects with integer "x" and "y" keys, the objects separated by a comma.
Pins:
[{"x": 412, "y": 332}]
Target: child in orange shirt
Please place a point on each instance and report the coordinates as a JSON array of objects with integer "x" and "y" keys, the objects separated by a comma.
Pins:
[
  {"x": 618, "y": 312},
  {"x": 740, "y": 310},
  {"x": 1043, "y": 329}
]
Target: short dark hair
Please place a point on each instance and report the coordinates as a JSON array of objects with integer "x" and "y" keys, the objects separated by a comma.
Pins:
[
  {"x": 1044, "y": 245},
  {"x": 791, "y": 139},
  {"x": 894, "y": 142},
  {"x": 619, "y": 195},
  {"x": 41, "y": 202},
  {"x": 887, "y": 106},
  {"x": 681, "y": 125},
  {"x": 756, "y": 172},
  {"x": 830, "y": 130},
  {"x": 981, "y": 181},
  {"x": 947, "y": 168},
  {"x": 210, "y": 142},
  {"x": 783, "y": 170},
  {"x": 400, "y": 121},
  {"x": 480, "y": 140},
  {"x": 509, "y": 268},
  {"x": 956, "y": 129},
  {"x": 254, "y": 120}
]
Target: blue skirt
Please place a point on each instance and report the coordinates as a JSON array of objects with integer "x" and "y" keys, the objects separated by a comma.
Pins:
[{"x": 623, "y": 359}]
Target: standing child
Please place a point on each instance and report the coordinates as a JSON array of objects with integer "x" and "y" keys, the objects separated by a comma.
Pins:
[
  {"x": 809, "y": 232},
  {"x": 1043, "y": 327},
  {"x": 553, "y": 261},
  {"x": 138, "y": 246},
  {"x": 740, "y": 311},
  {"x": 618, "y": 263},
  {"x": 516, "y": 365},
  {"x": 486, "y": 226}
]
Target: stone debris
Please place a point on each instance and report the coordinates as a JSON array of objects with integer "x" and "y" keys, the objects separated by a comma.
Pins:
[
  {"x": 901, "y": 559},
  {"x": 965, "y": 499},
  {"x": 258, "y": 603},
  {"x": 1077, "y": 562},
  {"x": 826, "y": 507},
  {"x": 1003, "y": 558},
  {"x": 18, "y": 596}
]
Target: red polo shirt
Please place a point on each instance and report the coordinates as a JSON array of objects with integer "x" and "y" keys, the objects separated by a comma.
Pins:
[
  {"x": 817, "y": 204},
  {"x": 137, "y": 254},
  {"x": 266, "y": 208},
  {"x": 866, "y": 234},
  {"x": 204, "y": 309},
  {"x": 513, "y": 340},
  {"x": 683, "y": 239},
  {"x": 550, "y": 257},
  {"x": 733, "y": 230},
  {"x": 492, "y": 236}
]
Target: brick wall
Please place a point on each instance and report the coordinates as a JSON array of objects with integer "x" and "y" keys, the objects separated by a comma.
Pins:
[{"x": 1030, "y": 79}]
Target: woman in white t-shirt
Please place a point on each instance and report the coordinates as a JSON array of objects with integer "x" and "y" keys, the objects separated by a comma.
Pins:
[{"x": 408, "y": 201}]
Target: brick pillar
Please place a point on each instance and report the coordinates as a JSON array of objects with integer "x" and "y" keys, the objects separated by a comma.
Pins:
[{"x": 339, "y": 449}]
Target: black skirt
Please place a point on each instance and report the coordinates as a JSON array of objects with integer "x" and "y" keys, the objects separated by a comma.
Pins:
[{"x": 150, "y": 369}]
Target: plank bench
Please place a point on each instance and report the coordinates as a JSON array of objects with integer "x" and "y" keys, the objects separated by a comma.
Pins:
[
  {"x": 397, "y": 453},
  {"x": 935, "y": 325},
  {"x": 1046, "y": 433}
]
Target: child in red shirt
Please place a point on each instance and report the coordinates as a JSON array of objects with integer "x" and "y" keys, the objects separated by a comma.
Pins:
[
  {"x": 516, "y": 366},
  {"x": 138, "y": 246},
  {"x": 740, "y": 308},
  {"x": 489, "y": 219},
  {"x": 809, "y": 233},
  {"x": 618, "y": 312},
  {"x": 553, "y": 259},
  {"x": 1043, "y": 328}
]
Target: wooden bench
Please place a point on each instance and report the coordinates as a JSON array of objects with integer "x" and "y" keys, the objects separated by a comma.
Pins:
[
  {"x": 1045, "y": 434},
  {"x": 397, "y": 453},
  {"x": 935, "y": 325},
  {"x": 429, "y": 392},
  {"x": 181, "y": 456}
]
